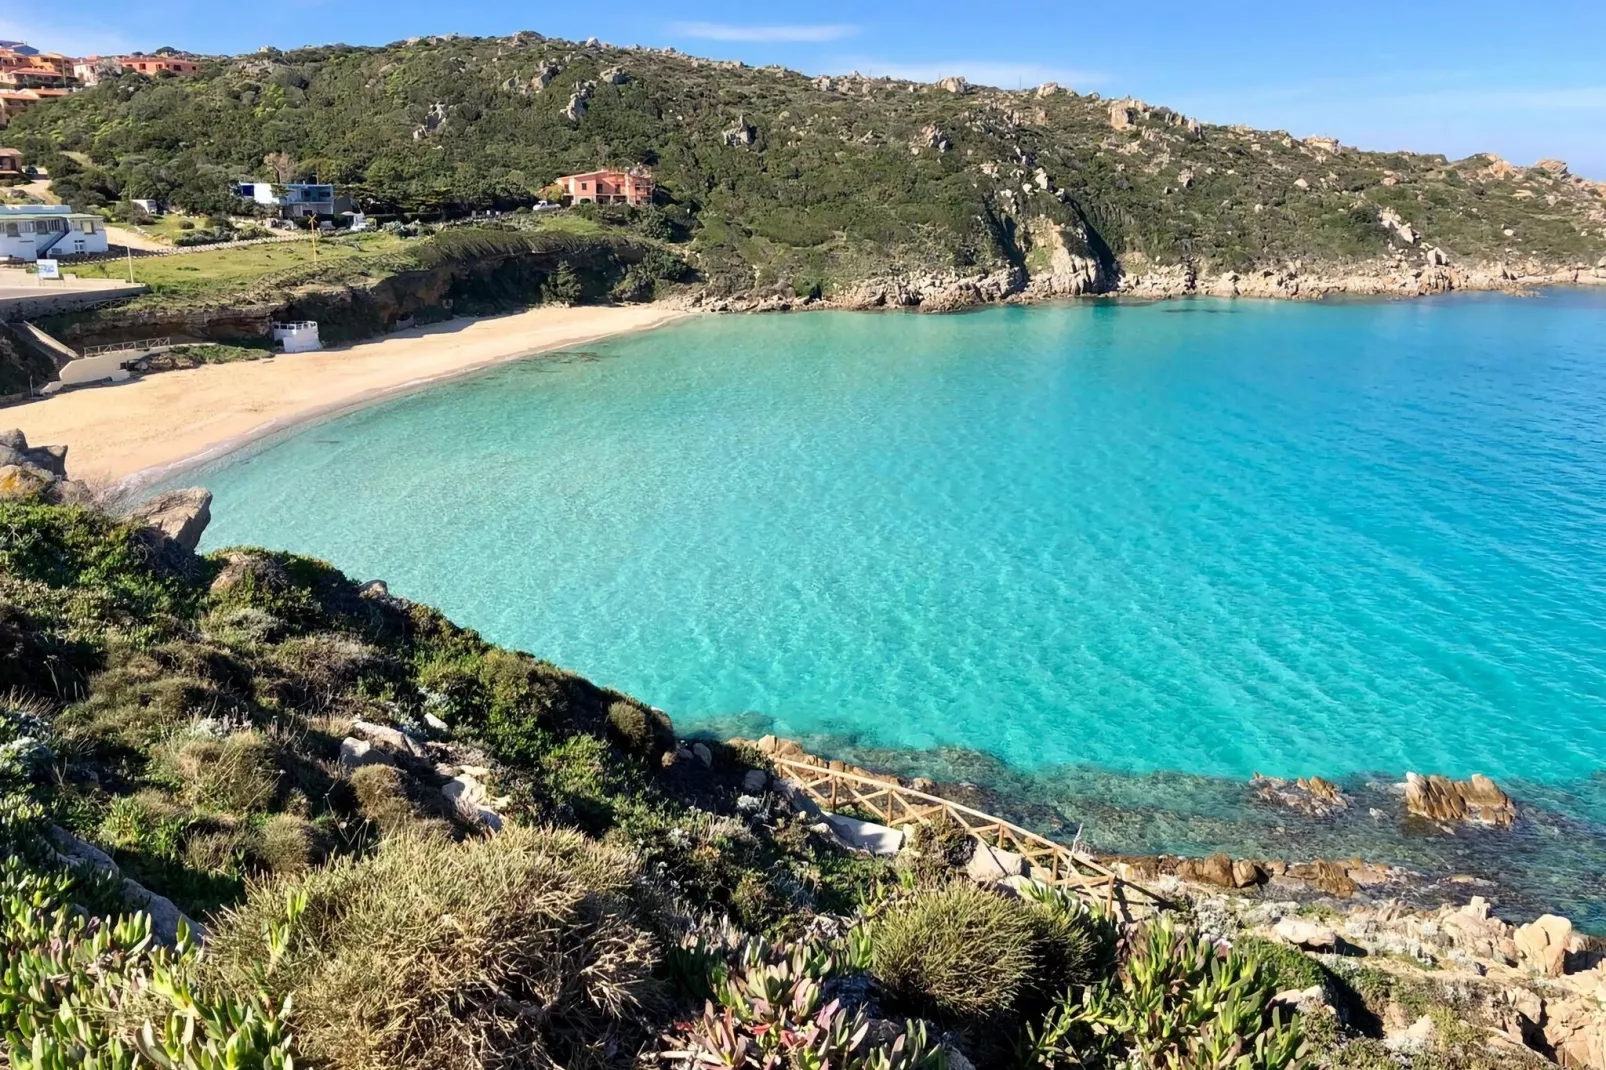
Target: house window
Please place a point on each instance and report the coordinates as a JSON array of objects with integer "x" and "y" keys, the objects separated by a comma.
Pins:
[
  {"x": 11, "y": 230},
  {"x": 86, "y": 226},
  {"x": 584, "y": 186}
]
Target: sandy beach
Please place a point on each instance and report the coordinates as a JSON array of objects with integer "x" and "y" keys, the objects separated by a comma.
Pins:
[{"x": 123, "y": 435}]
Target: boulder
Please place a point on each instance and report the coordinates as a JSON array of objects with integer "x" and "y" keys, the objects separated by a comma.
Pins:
[
  {"x": 355, "y": 753},
  {"x": 1331, "y": 877},
  {"x": 164, "y": 915},
  {"x": 1543, "y": 943},
  {"x": 1477, "y": 800},
  {"x": 991, "y": 864},
  {"x": 391, "y": 738},
  {"x": 1306, "y": 935},
  {"x": 20, "y": 482},
  {"x": 1246, "y": 874},
  {"x": 468, "y": 797},
  {"x": 954, "y": 85},
  {"x": 1473, "y": 930},
  {"x": 1215, "y": 870},
  {"x": 1575, "y": 1029},
  {"x": 613, "y": 76},
  {"x": 864, "y": 835},
  {"x": 754, "y": 781},
  {"x": 701, "y": 752},
  {"x": 1312, "y": 796},
  {"x": 1303, "y": 1000},
  {"x": 1420, "y": 1036},
  {"x": 181, "y": 515}
]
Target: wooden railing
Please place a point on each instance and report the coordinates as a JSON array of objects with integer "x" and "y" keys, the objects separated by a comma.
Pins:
[
  {"x": 1051, "y": 863},
  {"x": 144, "y": 345}
]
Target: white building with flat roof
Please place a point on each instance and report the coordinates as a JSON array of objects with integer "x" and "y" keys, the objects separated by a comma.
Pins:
[{"x": 30, "y": 232}]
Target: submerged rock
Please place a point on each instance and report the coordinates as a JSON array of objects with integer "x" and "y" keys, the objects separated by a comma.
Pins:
[
  {"x": 1477, "y": 800},
  {"x": 1312, "y": 796}
]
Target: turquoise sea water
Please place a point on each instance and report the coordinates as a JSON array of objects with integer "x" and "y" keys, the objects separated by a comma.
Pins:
[{"x": 1125, "y": 554}]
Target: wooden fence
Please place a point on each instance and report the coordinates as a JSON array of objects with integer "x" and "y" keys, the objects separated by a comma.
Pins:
[{"x": 894, "y": 805}]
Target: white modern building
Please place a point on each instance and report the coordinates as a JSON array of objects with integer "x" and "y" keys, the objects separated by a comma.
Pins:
[{"x": 30, "y": 232}]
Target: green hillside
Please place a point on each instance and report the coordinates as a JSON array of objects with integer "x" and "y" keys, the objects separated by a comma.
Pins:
[{"x": 772, "y": 178}]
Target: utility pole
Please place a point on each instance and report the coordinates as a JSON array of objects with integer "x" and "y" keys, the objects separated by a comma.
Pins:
[
  {"x": 129, "y": 249},
  {"x": 312, "y": 225}
]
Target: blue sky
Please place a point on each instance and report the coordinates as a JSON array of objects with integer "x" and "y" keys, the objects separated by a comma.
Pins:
[{"x": 1431, "y": 75}]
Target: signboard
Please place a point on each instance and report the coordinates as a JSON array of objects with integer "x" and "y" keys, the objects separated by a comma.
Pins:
[{"x": 49, "y": 269}]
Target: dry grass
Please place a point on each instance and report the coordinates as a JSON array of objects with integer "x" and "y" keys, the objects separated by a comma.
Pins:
[
  {"x": 522, "y": 950},
  {"x": 237, "y": 773},
  {"x": 396, "y": 803},
  {"x": 286, "y": 843}
]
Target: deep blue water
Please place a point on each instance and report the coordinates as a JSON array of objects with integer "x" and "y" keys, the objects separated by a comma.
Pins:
[{"x": 1093, "y": 546}]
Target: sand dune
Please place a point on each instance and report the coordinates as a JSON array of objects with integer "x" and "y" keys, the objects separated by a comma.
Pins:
[{"x": 123, "y": 436}]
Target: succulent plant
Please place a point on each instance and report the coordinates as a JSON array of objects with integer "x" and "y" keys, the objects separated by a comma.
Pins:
[
  {"x": 1180, "y": 1002},
  {"x": 771, "y": 1014}
]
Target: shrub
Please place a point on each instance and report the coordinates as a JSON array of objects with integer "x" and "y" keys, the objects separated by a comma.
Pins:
[
  {"x": 237, "y": 773},
  {"x": 958, "y": 952},
  {"x": 1074, "y": 945},
  {"x": 286, "y": 843},
  {"x": 395, "y": 802},
  {"x": 214, "y": 850},
  {"x": 940, "y": 847},
  {"x": 645, "y": 733},
  {"x": 508, "y": 951}
]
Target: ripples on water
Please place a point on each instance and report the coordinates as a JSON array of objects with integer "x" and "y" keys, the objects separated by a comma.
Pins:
[{"x": 1130, "y": 554}]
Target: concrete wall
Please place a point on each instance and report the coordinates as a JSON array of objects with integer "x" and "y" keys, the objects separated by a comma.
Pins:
[{"x": 26, "y": 303}]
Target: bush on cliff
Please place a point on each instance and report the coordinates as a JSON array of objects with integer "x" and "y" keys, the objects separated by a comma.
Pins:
[
  {"x": 524, "y": 949},
  {"x": 957, "y": 953}
]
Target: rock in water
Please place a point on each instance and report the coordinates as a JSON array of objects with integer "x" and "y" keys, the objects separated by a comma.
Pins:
[
  {"x": 1477, "y": 800},
  {"x": 181, "y": 515}
]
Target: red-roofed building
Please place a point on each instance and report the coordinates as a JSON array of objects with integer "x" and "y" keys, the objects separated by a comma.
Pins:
[{"x": 634, "y": 186}]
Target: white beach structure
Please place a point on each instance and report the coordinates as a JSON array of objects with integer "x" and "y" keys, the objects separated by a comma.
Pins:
[{"x": 297, "y": 337}]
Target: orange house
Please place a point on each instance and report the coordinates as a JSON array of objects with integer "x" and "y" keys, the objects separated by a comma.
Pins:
[
  {"x": 634, "y": 186},
  {"x": 10, "y": 164},
  {"x": 153, "y": 65},
  {"x": 14, "y": 101}
]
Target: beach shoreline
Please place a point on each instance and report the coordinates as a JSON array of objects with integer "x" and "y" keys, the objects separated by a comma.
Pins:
[{"x": 124, "y": 437}]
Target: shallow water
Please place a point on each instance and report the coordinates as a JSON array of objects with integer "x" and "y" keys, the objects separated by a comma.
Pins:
[{"x": 1097, "y": 545}]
